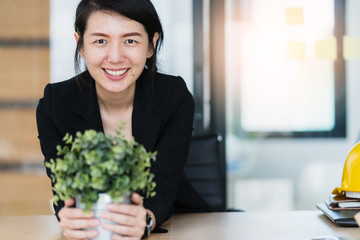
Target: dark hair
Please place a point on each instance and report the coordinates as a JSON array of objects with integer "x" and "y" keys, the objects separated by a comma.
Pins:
[{"x": 141, "y": 11}]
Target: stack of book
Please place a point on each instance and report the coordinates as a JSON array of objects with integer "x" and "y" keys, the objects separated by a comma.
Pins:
[
  {"x": 340, "y": 202},
  {"x": 342, "y": 209}
]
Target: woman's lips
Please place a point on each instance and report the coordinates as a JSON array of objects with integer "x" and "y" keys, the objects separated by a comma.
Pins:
[{"x": 115, "y": 75}]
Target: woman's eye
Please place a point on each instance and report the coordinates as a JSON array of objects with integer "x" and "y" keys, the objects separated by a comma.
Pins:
[
  {"x": 130, "y": 41},
  {"x": 100, "y": 41}
]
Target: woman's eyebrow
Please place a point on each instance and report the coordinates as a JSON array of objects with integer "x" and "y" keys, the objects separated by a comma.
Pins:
[
  {"x": 99, "y": 34},
  {"x": 130, "y": 34}
]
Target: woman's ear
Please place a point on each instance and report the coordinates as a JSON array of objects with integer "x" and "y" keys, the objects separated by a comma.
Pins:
[
  {"x": 154, "y": 41},
  {"x": 77, "y": 37}
]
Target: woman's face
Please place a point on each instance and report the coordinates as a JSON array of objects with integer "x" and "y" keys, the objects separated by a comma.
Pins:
[{"x": 115, "y": 50}]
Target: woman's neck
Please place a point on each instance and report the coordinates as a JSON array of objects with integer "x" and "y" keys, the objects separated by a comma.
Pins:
[
  {"x": 114, "y": 102},
  {"x": 116, "y": 110}
]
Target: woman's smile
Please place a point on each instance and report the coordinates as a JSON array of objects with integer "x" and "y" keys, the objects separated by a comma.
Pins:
[{"x": 115, "y": 75}]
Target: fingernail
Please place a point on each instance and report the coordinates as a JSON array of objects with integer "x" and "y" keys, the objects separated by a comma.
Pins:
[
  {"x": 94, "y": 234},
  {"x": 105, "y": 225},
  {"x": 95, "y": 222},
  {"x": 115, "y": 237},
  {"x": 110, "y": 206},
  {"x": 104, "y": 214}
]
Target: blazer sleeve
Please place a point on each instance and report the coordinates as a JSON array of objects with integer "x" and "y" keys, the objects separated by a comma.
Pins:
[
  {"x": 48, "y": 133},
  {"x": 172, "y": 147}
]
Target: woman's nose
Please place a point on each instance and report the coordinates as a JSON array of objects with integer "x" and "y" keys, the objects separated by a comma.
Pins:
[{"x": 116, "y": 53}]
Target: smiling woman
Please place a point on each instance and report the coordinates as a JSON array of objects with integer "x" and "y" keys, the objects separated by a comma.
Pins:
[
  {"x": 115, "y": 49},
  {"x": 119, "y": 41}
]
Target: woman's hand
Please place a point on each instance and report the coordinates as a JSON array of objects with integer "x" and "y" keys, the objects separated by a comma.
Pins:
[
  {"x": 74, "y": 220},
  {"x": 130, "y": 219}
]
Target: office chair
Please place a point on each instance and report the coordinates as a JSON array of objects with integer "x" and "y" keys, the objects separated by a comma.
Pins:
[{"x": 206, "y": 170}]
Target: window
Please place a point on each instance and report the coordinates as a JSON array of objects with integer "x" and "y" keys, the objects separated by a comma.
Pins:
[{"x": 285, "y": 69}]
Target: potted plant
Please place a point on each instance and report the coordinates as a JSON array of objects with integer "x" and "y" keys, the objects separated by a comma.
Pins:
[{"x": 92, "y": 166}]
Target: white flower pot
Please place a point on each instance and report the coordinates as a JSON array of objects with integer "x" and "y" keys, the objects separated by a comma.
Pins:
[{"x": 99, "y": 207}]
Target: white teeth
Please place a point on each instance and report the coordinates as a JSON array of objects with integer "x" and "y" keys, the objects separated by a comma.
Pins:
[{"x": 115, "y": 73}]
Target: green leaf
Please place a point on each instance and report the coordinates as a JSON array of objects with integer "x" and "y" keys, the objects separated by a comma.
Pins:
[{"x": 91, "y": 163}]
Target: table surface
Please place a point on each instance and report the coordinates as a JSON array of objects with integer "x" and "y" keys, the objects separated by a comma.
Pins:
[{"x": 224, "y": 226}]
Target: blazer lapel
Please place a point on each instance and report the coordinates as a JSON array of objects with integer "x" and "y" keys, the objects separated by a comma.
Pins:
[
  {"x": 86, "y": 107},
  {"x": 146, "y": 122}
]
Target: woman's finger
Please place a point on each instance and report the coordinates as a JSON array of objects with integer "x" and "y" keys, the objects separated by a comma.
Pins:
[
  {"x": 80, "y": 234},
  {"x": 79, "y": 223},
  {"x": 137, "y": 199},
  {"x": 70, "y": 202},
  {"x": 125, "y": 219},
  {"x": 118, "y": 237},
  {"x": 119, "y": 218},
  {"x": 133, "y": 231},
  {"x": 129, "y": 220},
  {"x": 74, "y": 213},
  {"x": 128, "y": 209}
]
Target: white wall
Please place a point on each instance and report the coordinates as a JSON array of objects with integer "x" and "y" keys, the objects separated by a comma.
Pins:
[
  {"x": 176, "y": 56},
  {"x": 62, "y": 41}
]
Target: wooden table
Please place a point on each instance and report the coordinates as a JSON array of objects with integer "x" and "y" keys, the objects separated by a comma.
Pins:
[{"x": 223, "y": 226}]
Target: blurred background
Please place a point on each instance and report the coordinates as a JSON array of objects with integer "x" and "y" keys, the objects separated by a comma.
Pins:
[{"x": 277, "y": 79}]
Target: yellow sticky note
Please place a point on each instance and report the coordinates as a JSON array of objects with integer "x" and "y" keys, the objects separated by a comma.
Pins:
[
  {"x": 294, "y": 16},
  {"x": 326, "y": 49},
  {"x": 296, "y": 50},
  {"x": 351, "y": 47}
]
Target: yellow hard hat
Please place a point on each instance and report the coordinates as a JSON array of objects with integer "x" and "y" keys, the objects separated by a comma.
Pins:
[{"x": 351, "y": 174}]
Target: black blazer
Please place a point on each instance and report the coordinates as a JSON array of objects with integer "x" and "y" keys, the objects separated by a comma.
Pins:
[{"x": 162, "y": 120}]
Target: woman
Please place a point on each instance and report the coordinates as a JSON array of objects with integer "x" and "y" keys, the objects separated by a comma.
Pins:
[{"x": 119, "y": 40}]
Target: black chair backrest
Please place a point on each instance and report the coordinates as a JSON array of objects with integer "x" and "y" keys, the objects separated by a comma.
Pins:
[{"x": 206, "y": 171}]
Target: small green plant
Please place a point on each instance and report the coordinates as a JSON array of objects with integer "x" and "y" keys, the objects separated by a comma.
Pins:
[{"x": 93, "y": 163}]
